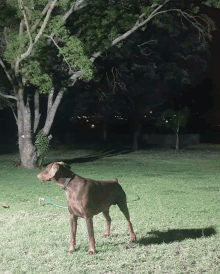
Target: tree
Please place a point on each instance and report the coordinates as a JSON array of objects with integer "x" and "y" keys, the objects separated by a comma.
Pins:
[
  {"x": 32, "y": 31},
  {"x": 148, "y": 70},
  {"x": 174, "y": 120}
]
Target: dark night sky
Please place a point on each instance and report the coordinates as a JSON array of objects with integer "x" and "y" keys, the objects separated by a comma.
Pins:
[{"x": 213, "y": 70}]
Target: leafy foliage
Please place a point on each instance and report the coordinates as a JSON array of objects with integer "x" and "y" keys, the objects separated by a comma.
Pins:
[
  {"x": 35, "y": 68},
  {"x": 212, "y": 3},
  {"x": 174, "y": 119},
  {"x": 100, "y": 22},
  {"x": 37, "y": 77},
  {"x": 42, "y": 146},
  {"x": 14, "y": 47},
  {"x": 74, "y": 54},
  {"x": 90, "y": 29}
]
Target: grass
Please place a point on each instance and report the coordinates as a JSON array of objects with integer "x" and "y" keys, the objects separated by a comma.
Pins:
[{"x": 176, "y": 220}]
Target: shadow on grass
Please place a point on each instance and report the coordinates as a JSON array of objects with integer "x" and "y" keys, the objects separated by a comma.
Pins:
[
  {"x": 176, "y": 235},
  {"x": 96, "y": 155}
]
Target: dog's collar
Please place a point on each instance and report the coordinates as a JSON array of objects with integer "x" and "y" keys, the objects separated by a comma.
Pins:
[{"x": 67, "y": 181}]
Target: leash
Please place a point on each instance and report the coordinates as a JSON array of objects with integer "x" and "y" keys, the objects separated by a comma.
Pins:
[
  {"x": 49, "y": 202},
  {"x": 52, "y": 203},
  {"x": 63, "y": 187}
]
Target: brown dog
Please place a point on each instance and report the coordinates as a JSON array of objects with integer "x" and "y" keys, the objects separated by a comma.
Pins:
[{"x": 86, "y": 198}]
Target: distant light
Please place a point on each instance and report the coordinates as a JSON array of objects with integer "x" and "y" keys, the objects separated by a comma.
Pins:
[
  {"x": 87, "y": 120},
  {"x": 79, "y": 117},
  {"x": 166, "y": 121},
  {"x": 92, "y": 126},
  {"x": 151, "y": 111}
]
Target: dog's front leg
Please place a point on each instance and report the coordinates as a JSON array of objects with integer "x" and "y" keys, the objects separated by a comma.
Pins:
[
  {"x": 89, "y": 223},
  {"x": 73, "y": 225}
]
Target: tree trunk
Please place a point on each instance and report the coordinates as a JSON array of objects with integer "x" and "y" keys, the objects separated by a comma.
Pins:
[
  {"x": 136, "y": 119},
  {"x": 177, "y": 141},
  {"x": 136, "y": 128},
  {"x": 136, "y": 137},
  {"x": 105, "y": 130},
  {"x": 27, "y": 150},
  {"x": 105, "y": 120}
]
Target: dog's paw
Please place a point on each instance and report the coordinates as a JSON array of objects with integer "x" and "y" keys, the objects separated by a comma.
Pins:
[
  {"x": 105, "y": 234},
  {"x": 91, "y": 251},
  {"x": 133, "y": 238},
  {"x": 70, "y": 250}
]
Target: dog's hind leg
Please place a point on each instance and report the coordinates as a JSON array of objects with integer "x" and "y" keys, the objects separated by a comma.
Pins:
[
  {"x": 108, "y": 222},
  {"x": 124, "y": 209}
]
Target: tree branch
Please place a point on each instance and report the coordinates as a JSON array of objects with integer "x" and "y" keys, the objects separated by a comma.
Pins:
[
  {"x": 138, "y": 24},
  {"x": 50, "y": 100},
  {"x": 6, "y": 72},
  {"x": 129, "y": 32},
  {"x": 75, "y": 76},
  {"x": 28, "y": 52},
  {"x": 77, "y": 6},
  {"x": 143, "y": 51},
  {"x": 192, "y": 19},
  {"x": 51, "y": 111},
  {"x": 21, "y": 6},
  {"x": 121, "y": 37},
  {"x": 50, "y": 37},
  {"x": 42, "y": 14},
  {"x": 36, "y": 110},
  {"x": 10, "y": 105},
  {"x": 45, "y": 21},
  {"x": 8, "y": 96}
]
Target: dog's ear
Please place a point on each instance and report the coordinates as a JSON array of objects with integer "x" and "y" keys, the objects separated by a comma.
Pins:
[
  {"x": 64, "y": 165},
  {"x": 61, "y": 163},
  {"x": 53, "y": 170}
]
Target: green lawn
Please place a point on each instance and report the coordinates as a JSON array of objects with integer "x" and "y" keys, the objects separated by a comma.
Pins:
[{"x": 176, "y": 220}]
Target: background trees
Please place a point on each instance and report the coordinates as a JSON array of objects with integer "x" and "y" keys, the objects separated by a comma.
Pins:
[
  {"x": 174, "y": 120},
  {"x": 74, "y": 32},
  {"x": 149, "y": 70}
]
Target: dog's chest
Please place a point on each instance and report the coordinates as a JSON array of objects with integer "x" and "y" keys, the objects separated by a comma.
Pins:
[{"x": 76, "y": 202}]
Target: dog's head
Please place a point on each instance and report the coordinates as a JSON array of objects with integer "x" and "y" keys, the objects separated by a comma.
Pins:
[{"x": 57, "y": 169}]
